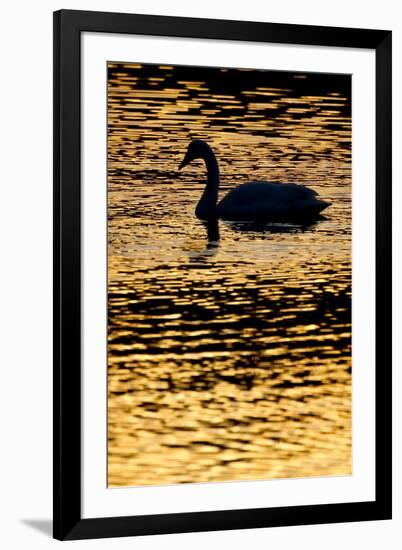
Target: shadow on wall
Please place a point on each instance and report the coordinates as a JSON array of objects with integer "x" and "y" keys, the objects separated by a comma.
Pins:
[{"x": 44, "y": 526}]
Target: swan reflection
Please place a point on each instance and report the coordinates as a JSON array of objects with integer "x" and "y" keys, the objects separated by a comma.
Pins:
[{"x": 254, "y": 229}]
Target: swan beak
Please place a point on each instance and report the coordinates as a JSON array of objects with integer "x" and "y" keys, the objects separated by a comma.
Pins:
[
  {"x": 184, "y": 162},
  {"x": 187, "y": 159}
]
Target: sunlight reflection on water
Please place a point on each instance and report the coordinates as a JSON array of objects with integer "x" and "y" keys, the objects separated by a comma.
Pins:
[{"x": 229, "y": 347}]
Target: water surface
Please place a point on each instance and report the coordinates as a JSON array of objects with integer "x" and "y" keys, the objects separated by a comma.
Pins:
[{"x": 229, "y": 351}]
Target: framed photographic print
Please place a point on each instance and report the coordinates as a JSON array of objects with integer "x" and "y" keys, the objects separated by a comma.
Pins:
[{"x": 222, "y": 274}]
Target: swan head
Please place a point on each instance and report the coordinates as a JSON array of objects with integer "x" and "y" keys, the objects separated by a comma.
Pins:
[{"x": 197, "y": 149}]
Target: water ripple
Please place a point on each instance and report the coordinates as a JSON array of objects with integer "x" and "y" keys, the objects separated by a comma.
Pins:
[{"x": 230, "y": 346}]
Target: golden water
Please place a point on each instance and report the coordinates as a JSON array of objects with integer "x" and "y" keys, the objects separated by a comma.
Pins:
[{"x": 229, "y": 358}]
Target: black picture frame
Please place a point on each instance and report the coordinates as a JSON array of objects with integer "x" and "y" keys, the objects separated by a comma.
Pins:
[{"x": 68, "y": 522}]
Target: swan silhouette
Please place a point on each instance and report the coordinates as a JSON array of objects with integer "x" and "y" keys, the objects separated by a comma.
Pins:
[{"x": 255, "y": 200}]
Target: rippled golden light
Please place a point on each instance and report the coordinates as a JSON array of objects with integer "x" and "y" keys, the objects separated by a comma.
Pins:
[{"x": 231, "y": 361}]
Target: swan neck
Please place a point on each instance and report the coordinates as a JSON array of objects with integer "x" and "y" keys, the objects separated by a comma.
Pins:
[
  {"x": 212, "y": 171},
  {"x": 206, "y": 208}
]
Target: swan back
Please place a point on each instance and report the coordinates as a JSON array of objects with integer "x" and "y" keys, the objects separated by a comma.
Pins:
[{"x": 270, "y": 200}]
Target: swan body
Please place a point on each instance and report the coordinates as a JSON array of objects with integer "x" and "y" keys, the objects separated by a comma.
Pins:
[{"x": 255, "y": 200}]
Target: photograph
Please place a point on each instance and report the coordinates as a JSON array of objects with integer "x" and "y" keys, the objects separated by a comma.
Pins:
[{"x": 229, "y": 279}]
